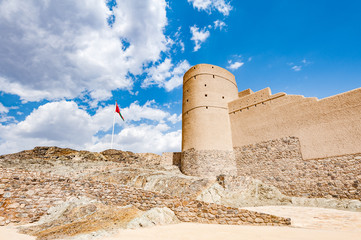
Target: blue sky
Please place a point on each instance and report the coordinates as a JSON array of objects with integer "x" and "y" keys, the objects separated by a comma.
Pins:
[{"x": 64, "y": 63}]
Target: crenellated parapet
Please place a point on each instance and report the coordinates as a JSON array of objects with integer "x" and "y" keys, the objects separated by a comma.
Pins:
[{"x": 249, "y": 99}]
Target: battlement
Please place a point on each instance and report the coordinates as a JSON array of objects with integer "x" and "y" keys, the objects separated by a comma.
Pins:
[
  {"x": 250, "y": 99},
  {"x": 245, "y": 93}
]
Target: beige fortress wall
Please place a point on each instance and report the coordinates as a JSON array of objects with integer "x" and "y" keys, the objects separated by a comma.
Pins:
[
  {"x": 279, "y": 163},
  {"x": 207, "y": 89},
  {"x": 327, "y": 127}
]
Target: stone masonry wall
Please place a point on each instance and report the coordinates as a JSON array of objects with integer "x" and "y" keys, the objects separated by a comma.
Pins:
[
  {"x": 25, "y": 196},
  {"x": 171, "y": 158},
  {"x": 208, "y": 162},
  {"x": 279, "y": 163}
]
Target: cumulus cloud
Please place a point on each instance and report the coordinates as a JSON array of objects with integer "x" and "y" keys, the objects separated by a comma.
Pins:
[
  {"x": 143, "y": 138},
  {"x": 175, "y": 118},
  {"x": 222, "y": 6},
  {"x": 57, "y": 123},
  {"x": 135, "y": 112},
  {"x": 3, "y": 109},
  {"x": 235, "y": 65},
  {"x": 219, "y": 24},
  {"x": 64, "y": 124},
  {"x": 3, "y": 114},
  {"x": 63, "y": 49},
  {"x": 166, "y": 75},
  {"x": 198, "y": 36}
]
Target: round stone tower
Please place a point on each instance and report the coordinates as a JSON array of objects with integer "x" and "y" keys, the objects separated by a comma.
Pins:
[{"x": 207, "y": 148}]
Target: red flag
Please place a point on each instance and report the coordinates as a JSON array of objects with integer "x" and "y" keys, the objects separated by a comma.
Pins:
[{"x": 117, "y": 110}]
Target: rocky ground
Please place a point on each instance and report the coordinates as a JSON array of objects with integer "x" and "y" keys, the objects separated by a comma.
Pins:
[{"x": 74, "y": 216}]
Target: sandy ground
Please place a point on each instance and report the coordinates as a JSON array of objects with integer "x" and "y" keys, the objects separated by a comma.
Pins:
[
  {"x": 315, "y": 218},
  {"x": 308, "y": 223},
  {"x": 10, "y": 233},
  {"x": 188, "y": 231}
]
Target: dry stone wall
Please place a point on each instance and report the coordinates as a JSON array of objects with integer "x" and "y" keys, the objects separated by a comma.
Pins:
[
  {"x": 280, "y": 163},
  {"x": 26, "y": 196},
  {"x": 208, "y": 162}
]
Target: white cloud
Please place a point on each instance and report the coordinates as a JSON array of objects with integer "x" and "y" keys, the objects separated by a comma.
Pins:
[
  {"x": 135, "y": 112},
  {"x": 175, "y": 118},
  {"x": 3, "y": 109},
  {"x": 166, "y": 75},
  {"x": 301, "y": 64},
  {"x": 178, "y": 39},
  {"x": 297, "y": 68},
  {"x": 57, "y": 123},
  {"x": 3, "y": 114},
  {"x": 198, "y": 36},
  {"x": 219, "y": 24},
  {"x": 143, "y": 138},
  {"x": 306, "y": 62},
  {"x": 222, "y": 6},
  {"x": 235, "y": 65},
  {"x": 64, "y": 124},
  {"x": 63, "y": 49}
]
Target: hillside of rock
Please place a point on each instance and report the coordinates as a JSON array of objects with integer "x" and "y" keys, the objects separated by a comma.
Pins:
[{"x": 145, "y": 170}]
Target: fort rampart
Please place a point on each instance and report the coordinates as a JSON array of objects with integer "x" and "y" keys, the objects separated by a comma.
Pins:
[{"x": 327, "y": 127}]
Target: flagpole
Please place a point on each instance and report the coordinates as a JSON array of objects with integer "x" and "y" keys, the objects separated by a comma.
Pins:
[{"x": 111, "y": 146}]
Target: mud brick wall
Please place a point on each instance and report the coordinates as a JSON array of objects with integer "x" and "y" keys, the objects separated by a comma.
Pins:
[
  {"x": 26, "y": 196},
  {"x": 280, "y": 163}
]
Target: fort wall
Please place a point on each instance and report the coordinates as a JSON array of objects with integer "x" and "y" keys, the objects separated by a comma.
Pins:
[
  {"x": 327, "y": 127},
  {"x": 279, "y": 163}
]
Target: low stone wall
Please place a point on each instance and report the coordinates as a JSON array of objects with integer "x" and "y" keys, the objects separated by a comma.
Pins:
[
  {"x": 25, "y": 196},
  {"x": 279, "y": 163},
  {"x": 171, "y": 158},
  {"x": 206, "y": 163}
]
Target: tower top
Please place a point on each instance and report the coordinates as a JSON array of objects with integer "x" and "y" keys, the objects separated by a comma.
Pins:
[{"x": 209, "y": 69}]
